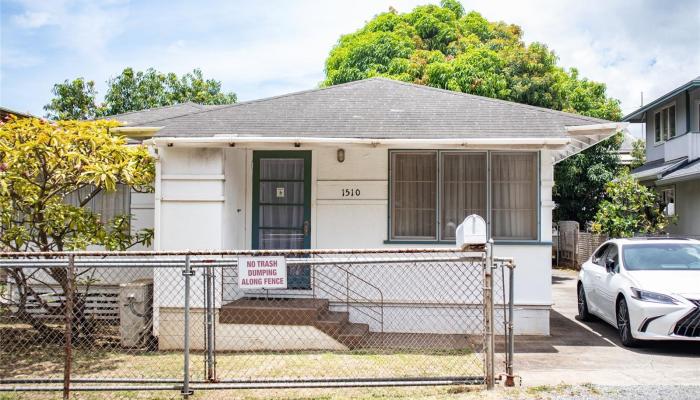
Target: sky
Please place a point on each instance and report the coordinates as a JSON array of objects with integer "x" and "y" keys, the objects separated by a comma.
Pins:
[{"x": 260, "y": 49}]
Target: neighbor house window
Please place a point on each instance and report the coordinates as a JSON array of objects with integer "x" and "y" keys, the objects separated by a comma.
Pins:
[
  {"x": 514, "y": 195},
  {"x": 665, "y": 124},
  {"x": 433, "y": 191},
  {"x": 668, "y": 196},
  {"x": 107, "y": 204}
]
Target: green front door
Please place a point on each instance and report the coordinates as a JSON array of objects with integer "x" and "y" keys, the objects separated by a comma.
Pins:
[{"x": 282, "y": 206}]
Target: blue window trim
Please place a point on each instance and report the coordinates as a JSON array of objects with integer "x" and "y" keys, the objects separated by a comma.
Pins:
[{"x": 537, "y": 241}]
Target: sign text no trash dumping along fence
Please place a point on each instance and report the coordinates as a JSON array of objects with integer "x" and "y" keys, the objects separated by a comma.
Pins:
[{"x": 262, "y": 273}]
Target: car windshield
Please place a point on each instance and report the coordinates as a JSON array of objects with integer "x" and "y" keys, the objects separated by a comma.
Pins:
[{"x": 661, "y": 256}]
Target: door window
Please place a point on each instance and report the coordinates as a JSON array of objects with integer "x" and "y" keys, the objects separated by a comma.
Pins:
[
  {"x": 598, "y": 255},
  {"x": 613, "y": 254}
]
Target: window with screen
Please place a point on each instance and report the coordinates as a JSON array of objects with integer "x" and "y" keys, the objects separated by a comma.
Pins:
[
  {"x": 514, "y": 196},
  {"x": 432, "y": 192}
]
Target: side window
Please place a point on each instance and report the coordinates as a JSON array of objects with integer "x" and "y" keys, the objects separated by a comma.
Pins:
[
  {"x": 613, "y": 254},
  {"x": 598, "y": 256}
]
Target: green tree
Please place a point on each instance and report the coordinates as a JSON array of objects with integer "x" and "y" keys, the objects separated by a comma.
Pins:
[
  {"x": 442, "y": 46},
  {"x": 630, "y": 208},
  {"x": 639, "y": 153},
  {"x": 132, "y": 91},
  {"x": 580, "y": 180},
  {"x": 137, "y": 90},
  {"x": 73, "y": 100},
  {"x": 42, "y": 166}
]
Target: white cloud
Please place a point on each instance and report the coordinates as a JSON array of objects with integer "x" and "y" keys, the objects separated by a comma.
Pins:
[
  {"x": 31, "y": 19},
  {"x": 83, "y": 26}
]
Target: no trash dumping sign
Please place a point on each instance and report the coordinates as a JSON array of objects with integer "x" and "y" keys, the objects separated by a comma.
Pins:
[{"x": 262, "y": 272}]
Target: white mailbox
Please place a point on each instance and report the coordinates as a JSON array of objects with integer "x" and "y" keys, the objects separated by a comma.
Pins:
[{"x": 471, "y": 231}]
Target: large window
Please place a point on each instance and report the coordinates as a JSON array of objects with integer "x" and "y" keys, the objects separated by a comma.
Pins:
[
  {"x": 514, "y": 195},
  {"x": 414, "y": 195},
  {"x": 433, "y": 191},
  {"x": 463, "y": 186},
  {"x": 665, "y": 124}
]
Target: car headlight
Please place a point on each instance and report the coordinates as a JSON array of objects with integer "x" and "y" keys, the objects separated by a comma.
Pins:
[{"x": 644, "y": 295}]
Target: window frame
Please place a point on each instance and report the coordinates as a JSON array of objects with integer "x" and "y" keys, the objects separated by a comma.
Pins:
[
  {"x": 488, "y": 218},
  {"x": 600, "y": 253},
  {"x": 665, "y": 136},
  {"x": 662, "y": 192},
  {"x": 414, "y": 239}
]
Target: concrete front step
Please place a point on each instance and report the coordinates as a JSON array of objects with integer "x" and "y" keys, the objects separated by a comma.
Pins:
[
  {"x": 272, "y": 311},
  {"x": 313, "y": 312}
]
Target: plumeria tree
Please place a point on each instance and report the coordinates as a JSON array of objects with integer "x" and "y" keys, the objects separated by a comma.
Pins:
[{"x": 43, "y": 165}]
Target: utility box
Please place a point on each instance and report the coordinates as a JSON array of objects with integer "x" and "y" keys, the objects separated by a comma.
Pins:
[
  {"x": 136, "y": 313},
  {"x": 471, "y": 232}
]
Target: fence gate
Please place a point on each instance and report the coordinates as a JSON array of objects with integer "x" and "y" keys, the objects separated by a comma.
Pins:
[{"x": 191, "y": 321}]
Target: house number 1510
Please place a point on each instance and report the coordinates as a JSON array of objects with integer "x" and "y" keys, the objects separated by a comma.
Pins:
[{"x": 350, "y": 192}]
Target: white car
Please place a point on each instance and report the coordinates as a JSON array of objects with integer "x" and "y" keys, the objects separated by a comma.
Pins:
[{"x": 649, "y": 288}]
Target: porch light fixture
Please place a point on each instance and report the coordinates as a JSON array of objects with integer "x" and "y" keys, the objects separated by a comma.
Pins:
[{"x": 341, "y": 155}]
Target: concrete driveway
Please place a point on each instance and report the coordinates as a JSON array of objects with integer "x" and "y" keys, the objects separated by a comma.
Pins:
[{"x": 578, "y": 352}]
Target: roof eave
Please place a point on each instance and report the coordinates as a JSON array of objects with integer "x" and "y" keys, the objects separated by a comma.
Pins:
[
  {"x": 637, "y": 115},
  {"x": 585, "y": 136},
  {"x": 234, "y": 140}
]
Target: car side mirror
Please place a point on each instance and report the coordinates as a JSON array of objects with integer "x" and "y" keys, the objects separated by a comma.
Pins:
[{"x": 610, "y": 265}]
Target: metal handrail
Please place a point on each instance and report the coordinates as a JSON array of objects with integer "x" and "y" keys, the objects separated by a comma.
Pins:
[{"x": 348, "y": 290}]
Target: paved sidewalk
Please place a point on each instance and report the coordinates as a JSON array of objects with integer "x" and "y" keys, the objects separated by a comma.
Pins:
[{"x": 579, "y": 352}]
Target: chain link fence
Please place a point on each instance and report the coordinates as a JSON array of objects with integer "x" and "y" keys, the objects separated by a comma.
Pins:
[{"x": 192, "y": 320}]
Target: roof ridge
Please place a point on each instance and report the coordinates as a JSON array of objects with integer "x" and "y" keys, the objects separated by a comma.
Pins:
[
  {"x": 491, "y": 99},
  {"x": 247, "y": 102},
  {"x": 188, "y": 102}
]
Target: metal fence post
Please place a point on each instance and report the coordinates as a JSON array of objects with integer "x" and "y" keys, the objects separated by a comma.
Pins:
[
  {"x": 510, "y": 378},
  {"x": 489, "y": 316},
  {"x": 68, "y": 356},
  {"x": 187, "y": 273},
  {"x": 209, "y": 306}
]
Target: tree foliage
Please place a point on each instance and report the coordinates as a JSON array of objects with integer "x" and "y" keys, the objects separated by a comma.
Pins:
[
  {"x": 639, "y": 153},
  {"x": 630, "y": 208},
  {"x": 73, "y": 100},
  {"x": 138, "y": 90},
  {"x": 42, "y": 163},
  {"x": 581, "y": 180},
  {"x": 132, "y": 91},
  {"x": 442, "y": 46}
]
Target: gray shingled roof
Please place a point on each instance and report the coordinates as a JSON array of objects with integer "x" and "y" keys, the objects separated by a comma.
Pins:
[
  {"x": 141, "y": 117},
  {"x": 373, "y": 108},
  {"x": 688, "y": 171},
  {"x": 656, "y": 169}
]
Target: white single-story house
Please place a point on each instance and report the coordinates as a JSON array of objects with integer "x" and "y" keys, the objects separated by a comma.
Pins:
[{"x": 368, "y": 164}]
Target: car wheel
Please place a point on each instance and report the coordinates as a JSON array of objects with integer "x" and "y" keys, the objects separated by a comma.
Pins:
[
  {"x": 623, "y": 324},
  {"x": 583, "y": 313}
]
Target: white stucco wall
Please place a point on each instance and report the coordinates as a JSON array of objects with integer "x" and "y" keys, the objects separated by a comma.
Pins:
[{"x": 203, "y": 201}]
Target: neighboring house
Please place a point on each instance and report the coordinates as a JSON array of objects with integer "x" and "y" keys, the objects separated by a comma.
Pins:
[
  {"x": 626, "y": 148},
  {"x": 5, "y": 112},
  {"x": 367, "y": 164},
  {"x": 673, "y": 153}
]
